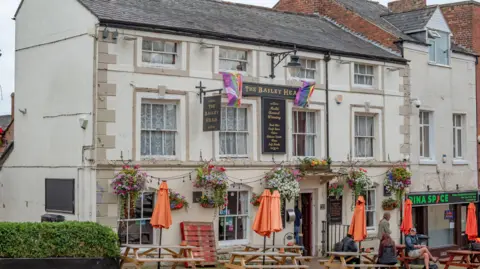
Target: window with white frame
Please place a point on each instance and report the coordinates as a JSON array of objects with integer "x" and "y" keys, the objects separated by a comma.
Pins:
[
  {"x": 159, "y": 52},
  {"x": 370, "y": 208},
  {"x": 439, "y": 49},
  {"x": 364, "y": 135},
  {"x": 458, "y": 132},
  {"x": 233, "y": 60},
  {"x": 134, "y": 223},
  {"x": 307, "y": 69},
  {"x": 233, "y": 219},
  {"x": 363, "y": 75},
  {"x": 304, "y": 133},
  {"x": 234, "y": 132},
  {"x": 158, "y": 129},
  {"x": 425, "y": 129}
]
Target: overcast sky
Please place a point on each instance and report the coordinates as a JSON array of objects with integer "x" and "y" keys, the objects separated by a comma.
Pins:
[{"x": 7, "y": 43}]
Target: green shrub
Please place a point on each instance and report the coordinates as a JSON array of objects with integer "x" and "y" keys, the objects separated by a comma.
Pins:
[{"x": 61, "y": 239}]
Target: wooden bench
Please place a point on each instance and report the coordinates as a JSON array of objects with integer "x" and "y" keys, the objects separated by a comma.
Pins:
[
  {"x": 362, "y": 265},
  {"x": 286, "y": 266},
  {"x": 445, "y": 260},
  {"x": 196, "y": 260},
  {"x": 305, "y": 258}
]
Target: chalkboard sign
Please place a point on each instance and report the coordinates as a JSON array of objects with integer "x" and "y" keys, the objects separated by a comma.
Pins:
[
  {"x": 212, "y": 106},
  {"x": 274, "y": 131},
  {"x": 335, "y": 209}
]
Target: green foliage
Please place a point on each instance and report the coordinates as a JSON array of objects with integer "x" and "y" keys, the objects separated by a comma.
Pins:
[{"x": 61, "y": 239}]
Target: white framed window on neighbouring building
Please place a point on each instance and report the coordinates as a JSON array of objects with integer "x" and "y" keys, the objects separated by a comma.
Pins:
[
  {"x": 364, "y": 75},
  {"x": 158, "y": 129},
  {"x": 233, "y": 226},
  {"x": 439, "y": 49},
  {"x": 233, "y": 133},
  {"x": 364, "y": 134},
  {"x": 233, "y": 60},
  {"x": 304, "y": 133},
  {"x": 134, "y": 223},
  {"x": 159, "y": 52},
  {"x": 425, "y": 133},
  {"x": 370, "y": 208},
  {"x": 307, "y": 70},
  {"x": 458, "y": 134}
]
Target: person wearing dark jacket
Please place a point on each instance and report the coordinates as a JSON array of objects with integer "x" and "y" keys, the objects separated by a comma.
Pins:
[
  {"x": 387, "y": 251},
  {"x": 348, "y": 245},
  {"x": 414, "y": 250}
]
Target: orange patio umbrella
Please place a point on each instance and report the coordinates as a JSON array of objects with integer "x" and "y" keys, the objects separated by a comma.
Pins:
[
  {"x": 358, "y": 226},
  {"x": 262, "y": 224},
  {"x": 162, "y": 214},
  {"x": 275, "y": 217},
  {"x": 407, "y": 223},
  {"x": 471, "y": 230}
]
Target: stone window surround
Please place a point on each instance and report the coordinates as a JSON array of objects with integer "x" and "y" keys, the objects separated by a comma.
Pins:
[
  {"x": 181, "y": 138},
  {"x": 378, "y": 146},
  {"x": 463, "y": 160}
]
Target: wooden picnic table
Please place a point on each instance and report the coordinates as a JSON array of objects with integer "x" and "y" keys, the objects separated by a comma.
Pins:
[
  {"x": 243, "y": 259},
  {"x": 345, "y": 257},
  {"x": 294, "y": 248},
  {"x": 141, "y": 254},
  {"x": 462, "y": 258}
]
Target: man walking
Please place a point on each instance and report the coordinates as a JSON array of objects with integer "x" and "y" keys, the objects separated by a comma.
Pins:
[{"x": 384, "y": 226}]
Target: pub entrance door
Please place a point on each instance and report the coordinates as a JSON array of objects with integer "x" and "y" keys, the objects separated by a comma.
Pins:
[{"x": 307, "y": 223}]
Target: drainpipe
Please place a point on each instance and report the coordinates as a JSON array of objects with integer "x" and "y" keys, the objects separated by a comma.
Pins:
[{"x": 327, "y": 59}]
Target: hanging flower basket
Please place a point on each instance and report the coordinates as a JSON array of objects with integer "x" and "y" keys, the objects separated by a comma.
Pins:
[
  {"x": 335, "y": 190},
  {"x": 390, "y": 204},
  {"x": 255, "y": 201},
  {"x": 285, "y": 180},
  {"x": 207, "y": 202},
  {"x": 177, "y": 201},
  {"x": 397, "y": 179},
  {"x": 358, "y": 181},
  {"x": 314, "y": 164},
  {"x": 213, "y": 180},
  {"x": 127, "y": 184}
]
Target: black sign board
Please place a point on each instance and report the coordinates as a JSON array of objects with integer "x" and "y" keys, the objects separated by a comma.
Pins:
[
  {"x": 212, "y": 106},
  {"x": 265, "y": 90},
  {"x": 273, "y": 122},
  {"x": 335, "y": 209},
  {"x": 443, "y": 198}
]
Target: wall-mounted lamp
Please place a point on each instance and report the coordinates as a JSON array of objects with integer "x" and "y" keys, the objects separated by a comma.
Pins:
[
  {"x": 293, "y": 65},
  {"x": 115, "y": 35},
  {"x": 444, "y": 158},
  {"x": 105, "y": 33},
  {"x": 339, "y": 99}
]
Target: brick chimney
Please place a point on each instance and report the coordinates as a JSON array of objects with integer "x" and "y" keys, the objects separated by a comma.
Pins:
[{"x": 406, "y": 5}]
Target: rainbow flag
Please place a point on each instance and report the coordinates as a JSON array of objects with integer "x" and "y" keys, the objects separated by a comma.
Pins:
[
  {"x": 232, "y": 84},
  {"x": 303, "y": 94}
]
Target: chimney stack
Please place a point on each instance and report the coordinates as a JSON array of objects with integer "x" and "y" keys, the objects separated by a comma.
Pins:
[
  {"x": 406, "y": 5},
  {"x": 13, "y": 104}
]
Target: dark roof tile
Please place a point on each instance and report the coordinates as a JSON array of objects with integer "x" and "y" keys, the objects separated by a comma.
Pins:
[{"x": 411, "y": 20}]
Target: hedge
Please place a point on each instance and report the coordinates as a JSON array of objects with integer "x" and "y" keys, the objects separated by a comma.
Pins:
[{"x": 61, "y": 239}]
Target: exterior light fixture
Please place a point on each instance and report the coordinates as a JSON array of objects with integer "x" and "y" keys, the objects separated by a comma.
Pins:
[
  {"x": 115, "y": 35},
  {"x": 105, "y": 33},
  {"x": 277, "y": 58}
]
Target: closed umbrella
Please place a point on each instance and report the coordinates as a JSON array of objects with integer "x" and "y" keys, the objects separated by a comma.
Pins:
[
  {"x": 471, "y": 229},
  {"x": 262, "y": 222},
  {"x": 162, "y": 214},
  {"x": 407, "y": 223},
  {"x": 358, "y": 226},
  {"x": 275, "y": 217}
]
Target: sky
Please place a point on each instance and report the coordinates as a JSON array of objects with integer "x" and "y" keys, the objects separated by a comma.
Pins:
[{"x": 7, "y": 43}]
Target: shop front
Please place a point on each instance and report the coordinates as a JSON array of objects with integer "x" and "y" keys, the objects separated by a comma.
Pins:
[{"x": 442, "y": 216}]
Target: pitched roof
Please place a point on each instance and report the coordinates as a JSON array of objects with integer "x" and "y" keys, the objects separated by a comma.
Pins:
[
  {"x": 411, "y": 20},
  {"x": 228, "y": 21},
  {"x": 373, "y": 12},
  {"x": 5, "y": 121}
]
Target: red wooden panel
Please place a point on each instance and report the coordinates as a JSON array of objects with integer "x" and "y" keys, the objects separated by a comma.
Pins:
[{"x": 202, "y": 236}]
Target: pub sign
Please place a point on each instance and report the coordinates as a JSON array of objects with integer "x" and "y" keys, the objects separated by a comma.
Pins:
[{"x": 212, "y": 106}]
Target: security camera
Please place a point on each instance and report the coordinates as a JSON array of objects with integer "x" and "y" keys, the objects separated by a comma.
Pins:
[{"x": 416, "y": 102}]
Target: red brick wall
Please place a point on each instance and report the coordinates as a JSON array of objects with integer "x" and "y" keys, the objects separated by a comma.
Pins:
[
  {"x": 464, "y": 21},
  {"x": 406, "y": 5},
  {"x": 339, "y": 13}
]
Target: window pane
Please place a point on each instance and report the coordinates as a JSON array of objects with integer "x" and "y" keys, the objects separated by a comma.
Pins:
[
  {"x": 171, "y": 117},
  {"x": 300, "y": 145},
  {"x": 159, "y": 46},
  {"x": 169, "y": 144},
  {"x": 223, "y": 122},
  {"x": 170, "y": 47},
  {"x": 312, "y": 64},
  {"x": 362, "y": 126},
  {"x": 146, "y": 57},
  {"x": 431, "y": 50},
  {"x": 295, "y": 115},
  {"x": 459, "y": 142},
  {"x": 157, "y": 117},
  {"x": 168, "y": 59},
  {"x": 426, "y": 118},
  {"x": 368, "y": 147},
  {"x": 369, "y": 129},
  {"x": 223, "y": 53},
  {"x": 241, "y": 228},
  {"x": 310, "y": 145},
  {"x": 145, "y": 143},
  {"x": 231, "y": 119},
  {"x": 370, "y": 218},
  {"x": 156, "y": 58},
  {"x": 421, "y": 141},
  {"x": 221, "y": 229},
  {"x": 232, "y": 197},
  {"x": 454, "y": 143},
  {"x": 223, "y": 143},
  {"x": 146, "y": 45},
  {"x": 370, "y": 70},
  {"x": 426, "y": 141},
  {"x": 310, "y": 122},
  {"x": 243, "y": 203},
  {"x": 310, "y": 74},
  {"x": 143, "y": 119},
  {"x": 241, "y": 144},
  {"x": 242, "y": 119},
  {"x": 230, "y": 143},
  {"x": 369, "y": 80},
  {"x": 230, "y": 228},
  {"x": 361, "y": 69},
  {"x": 356, "y": 69},
  {"x": 302, "y": 122},
  {"x": 157, "y": 143}
]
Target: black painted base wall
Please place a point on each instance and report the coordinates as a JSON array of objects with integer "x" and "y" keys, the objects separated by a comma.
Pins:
[{"x": 59, "y": 263}]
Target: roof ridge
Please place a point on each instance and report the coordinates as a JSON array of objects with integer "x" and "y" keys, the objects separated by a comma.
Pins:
[
  {"x": 413, "y": 10},
  {"x": 360, "y": 36}
]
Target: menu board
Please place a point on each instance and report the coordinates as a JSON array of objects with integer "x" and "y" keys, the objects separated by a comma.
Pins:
[
  {"x": 335, "y": 209},
  {"x": 212, "y": 113},
  {"x": 273, "y": 117}
]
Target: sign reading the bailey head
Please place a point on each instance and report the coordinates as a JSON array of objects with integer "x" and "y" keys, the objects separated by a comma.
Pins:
[
  {"x": 443, "y": 198},
  {"x": 211, "y": 113},
  {"x": 264, "y": 90},
  {"x": 273, "y": 120}
]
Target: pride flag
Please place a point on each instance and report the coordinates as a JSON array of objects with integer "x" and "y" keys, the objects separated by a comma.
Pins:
[
  {"x": 303, "y": 94},
  {"x": 232, "y": 84}
]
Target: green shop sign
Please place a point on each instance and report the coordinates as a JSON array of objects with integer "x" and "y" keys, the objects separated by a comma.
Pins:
[{"x": 443, "y": 198}]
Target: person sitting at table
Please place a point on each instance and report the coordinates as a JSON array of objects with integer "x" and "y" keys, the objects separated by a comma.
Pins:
[
  {"x": 348, "y": 245},
  {"x": 414, "y": 250},
  {"x": 386, "y": 251}
]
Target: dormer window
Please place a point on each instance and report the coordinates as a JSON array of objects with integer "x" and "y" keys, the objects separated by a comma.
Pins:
[{"x": 439, "y": 50}]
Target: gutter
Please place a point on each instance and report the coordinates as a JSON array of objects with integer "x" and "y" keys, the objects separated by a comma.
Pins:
[{"x": 253, "y": 41}]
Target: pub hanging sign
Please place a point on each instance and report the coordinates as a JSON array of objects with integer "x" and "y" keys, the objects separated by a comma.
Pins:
[
  {"x": 212, "y": 113},
  {"x": 443, "y": 198}
]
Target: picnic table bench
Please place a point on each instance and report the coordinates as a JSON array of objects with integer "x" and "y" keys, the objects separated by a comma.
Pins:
[
  {"x": 290, "y": 248},
  {"x": 345, "y": 257},
  {"x": 462, "y": 258},
  {"x": 279, "y": 260},
  {"x": 141, "y": 254}
]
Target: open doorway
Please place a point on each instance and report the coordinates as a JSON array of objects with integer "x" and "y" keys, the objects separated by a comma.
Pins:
[{"x": 306, "y": 200}]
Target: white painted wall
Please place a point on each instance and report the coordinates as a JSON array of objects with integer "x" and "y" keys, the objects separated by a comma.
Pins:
[{"x": 54, "y": 79}]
